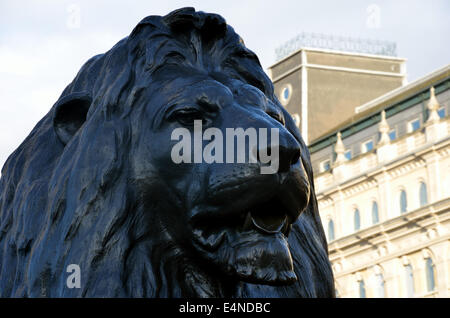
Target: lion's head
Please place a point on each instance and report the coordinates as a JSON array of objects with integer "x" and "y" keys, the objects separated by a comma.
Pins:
[{"x": 94, "y": 183}]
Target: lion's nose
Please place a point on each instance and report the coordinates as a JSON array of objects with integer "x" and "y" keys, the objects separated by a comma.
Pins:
[
  {"x": 289, "y": 156},
  {"x": 288, "y": 152}
]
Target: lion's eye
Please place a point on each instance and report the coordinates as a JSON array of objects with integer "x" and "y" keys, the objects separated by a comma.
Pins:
[{"x": 187, "y": 117}]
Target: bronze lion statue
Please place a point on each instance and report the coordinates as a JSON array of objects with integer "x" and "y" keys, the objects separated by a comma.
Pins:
[{"x": 94, "y": 184}]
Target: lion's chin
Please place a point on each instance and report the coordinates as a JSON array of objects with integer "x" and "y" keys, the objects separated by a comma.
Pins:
[
  {"x": 254, "y": 257},
  {"x": 264, "y": 259}
]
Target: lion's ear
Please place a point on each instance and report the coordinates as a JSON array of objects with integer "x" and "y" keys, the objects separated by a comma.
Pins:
[{"x": 70, "y": 114}]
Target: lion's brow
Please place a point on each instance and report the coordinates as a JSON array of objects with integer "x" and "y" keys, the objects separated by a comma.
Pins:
[
  {"x": 242, "y": 61},
  {"x": 159, "y": 49}
]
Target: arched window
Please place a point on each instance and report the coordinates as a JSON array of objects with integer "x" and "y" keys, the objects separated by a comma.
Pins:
[
  {"x": 379, "y": 279},
  {"x": 403, "y": 202},
  {"x": 330, "y": 230},
  {"x": 362, "y": 289},
  {"x": 409, "y": 280},
  {"x": 356, "y": 220},
  {"x": 423, "y": 194},
  {"x": 430, "y": 272},
  {"x": 375, "y": 218}
]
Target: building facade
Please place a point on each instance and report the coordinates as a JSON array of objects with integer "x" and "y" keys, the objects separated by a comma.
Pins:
[
  {"x": 382, "y": 179},
  {"x": 321, "y": 87}
]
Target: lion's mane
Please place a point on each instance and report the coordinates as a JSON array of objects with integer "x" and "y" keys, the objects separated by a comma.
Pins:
[{"x": 69, "y": 204}]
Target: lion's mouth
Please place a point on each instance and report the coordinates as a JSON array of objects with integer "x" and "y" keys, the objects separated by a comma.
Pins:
[
  {"x": 250, "y": 243},
  {"x": 267, "y": 218}
]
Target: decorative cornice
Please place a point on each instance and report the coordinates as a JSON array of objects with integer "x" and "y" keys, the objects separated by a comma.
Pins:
[
  {"x": 397, "y": 167},
  {"x": 429, "y": 216},
  {"x": 323, "y": 203},
  {"x": 360, "y": 187},
  {"x": 407, "y": 167}
]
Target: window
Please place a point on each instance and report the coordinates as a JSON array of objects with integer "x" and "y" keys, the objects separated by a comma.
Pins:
[
  {"x": 409, "y": 280},
  {"x": 393, "y": 134},
  {"x": 286, "y": 93},
  {"x": 423, "y": 194},
  {"x": 403, "y": 203},
  {"x": 429, "y": 268},
  {"x": 325, "y": 165},
  {"x": 348, "y": 154},
  {"x": 330, "y": 230},
  {"x": 379, "y": 279},
  {"x": 413, "y": 125},
  {"x": 367, "y": 146},
  {"x": 356, "y": 220},
  {"x": 441, "y": 112},
  {"x": 362, "y": 289},
  {"x": 375, "y": 218}
]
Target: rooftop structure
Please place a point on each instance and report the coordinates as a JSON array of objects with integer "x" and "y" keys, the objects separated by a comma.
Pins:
[{"x": 333, "y": 42}]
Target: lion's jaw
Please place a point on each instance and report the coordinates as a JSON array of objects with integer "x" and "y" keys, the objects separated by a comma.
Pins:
[
  {"x": 249, "y": 255},
  {"x": 248, "y": 239}
]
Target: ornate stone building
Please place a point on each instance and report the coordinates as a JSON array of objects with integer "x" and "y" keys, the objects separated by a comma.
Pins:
[{"x": 382, "y": 178}]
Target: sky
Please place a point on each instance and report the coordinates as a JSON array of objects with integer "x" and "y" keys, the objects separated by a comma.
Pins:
[{"x": 44, "y": 43}]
